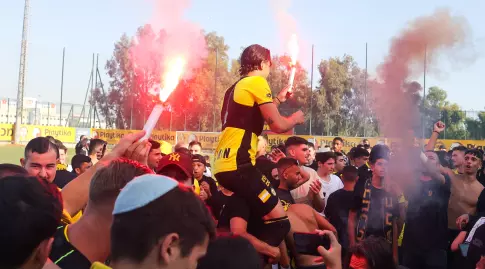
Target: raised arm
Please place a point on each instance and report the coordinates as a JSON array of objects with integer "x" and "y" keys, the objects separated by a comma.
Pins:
[
  {"x": 75, "y": 194},
  {"x": 437, "y": 129}
]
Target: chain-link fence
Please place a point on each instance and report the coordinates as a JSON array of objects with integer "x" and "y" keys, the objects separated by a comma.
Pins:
[{"x": 51, "y": 114}]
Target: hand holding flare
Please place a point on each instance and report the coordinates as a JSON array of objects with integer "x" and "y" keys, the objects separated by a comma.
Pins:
[
  {"x": 294, "y": 49},
  {"x": 170, "y": 81}
]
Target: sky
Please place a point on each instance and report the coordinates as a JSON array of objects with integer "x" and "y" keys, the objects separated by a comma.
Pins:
[{"x": 334, "y": 28}]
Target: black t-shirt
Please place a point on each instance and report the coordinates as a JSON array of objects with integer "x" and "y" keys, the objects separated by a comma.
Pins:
[
  {"x": 375, "y": 216},
  {"x": 314, "y": 165},
  {"x": 65, "y": 255},
  {"x": 63, "y": 177},
  {"x": 285, "y": 198},
  {"x": 337, "y": 213},
  {"x": 427, "y": 216},
  {"x": 476, "y": 248},
  {"x": 265, "y": 166}
]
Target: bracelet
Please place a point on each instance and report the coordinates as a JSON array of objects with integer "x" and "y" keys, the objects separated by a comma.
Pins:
[
  {"x": 278, "y": 100},
  {"x": 436, "y": 132}
]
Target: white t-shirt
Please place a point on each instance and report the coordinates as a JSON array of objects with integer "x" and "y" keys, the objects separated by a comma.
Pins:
[
  {"x": 330, "y": 187},
  {"x": 300, "y": 194}
]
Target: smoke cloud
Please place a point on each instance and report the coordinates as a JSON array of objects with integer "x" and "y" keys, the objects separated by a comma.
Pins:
[
  {"x": 177, "y": 37},
  {"x": 396, "y": 98},
  {"x": 286, "y": 23}
]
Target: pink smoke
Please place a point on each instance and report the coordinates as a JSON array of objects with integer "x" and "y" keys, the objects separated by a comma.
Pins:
[
  {"x": 173, "y": 36},
  {"x": 396, "y": 109},
  {"x": 395, "y": 99}
]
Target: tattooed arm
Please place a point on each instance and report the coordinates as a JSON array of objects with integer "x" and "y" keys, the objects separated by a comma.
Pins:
[{"x": 278, "y": 123}]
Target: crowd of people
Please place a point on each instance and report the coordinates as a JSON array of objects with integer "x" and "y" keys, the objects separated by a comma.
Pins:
[{"x": 294, "y": 205}]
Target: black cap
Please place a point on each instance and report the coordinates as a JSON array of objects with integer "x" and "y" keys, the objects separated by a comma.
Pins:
[
  {"x": 199, "y": 159},
  {"x": 379, "y": 152}
]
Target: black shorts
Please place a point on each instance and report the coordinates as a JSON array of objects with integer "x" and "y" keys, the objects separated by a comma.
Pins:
[{"x": 249, "y": 183}]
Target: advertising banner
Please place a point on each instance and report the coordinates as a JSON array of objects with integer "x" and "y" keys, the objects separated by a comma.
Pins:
[{"x": 113, "y": 136}]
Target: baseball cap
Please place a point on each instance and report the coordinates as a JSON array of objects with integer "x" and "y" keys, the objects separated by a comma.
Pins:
[
  {"x": 199, "y": 159},
  {"x": 141, "y": 191},
  {"x": 178, "y": 159}
]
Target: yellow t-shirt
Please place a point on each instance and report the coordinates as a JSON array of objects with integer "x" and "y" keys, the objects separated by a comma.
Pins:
[
  {"x": 98, "y": 265},
  {"x": 242, "y": 123}
]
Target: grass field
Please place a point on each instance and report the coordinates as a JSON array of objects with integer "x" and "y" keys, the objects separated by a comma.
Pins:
[{"x": 11, "y": 154}]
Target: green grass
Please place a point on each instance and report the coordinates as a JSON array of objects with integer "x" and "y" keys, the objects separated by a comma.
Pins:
[{"x": 11, "y": 154}]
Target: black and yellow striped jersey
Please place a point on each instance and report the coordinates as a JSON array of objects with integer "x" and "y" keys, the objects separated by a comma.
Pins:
[{"x": 242, "y": 123}]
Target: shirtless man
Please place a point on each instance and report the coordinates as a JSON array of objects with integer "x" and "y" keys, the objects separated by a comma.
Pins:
[
  {"x": 303, "y": 218},
  {"x": 465, "y": 187}
]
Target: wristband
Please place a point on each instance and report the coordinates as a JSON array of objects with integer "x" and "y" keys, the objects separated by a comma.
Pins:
[
  {"x": 279, "y": 100},
  {"x": 436, "y": 132}
]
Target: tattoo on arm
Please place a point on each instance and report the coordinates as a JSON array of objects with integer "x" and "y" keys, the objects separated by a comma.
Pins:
[{"x": 269, "y": 121}]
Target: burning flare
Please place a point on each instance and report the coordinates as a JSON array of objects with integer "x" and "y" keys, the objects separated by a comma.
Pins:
[
  {"x": 171, "y": 78},
  {"x": 294, "y": 49}
]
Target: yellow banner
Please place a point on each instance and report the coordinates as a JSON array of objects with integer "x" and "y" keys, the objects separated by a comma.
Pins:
[
  {"x": 209, "y": 141},
  {"x": 275, "y": 140},
  {"x": 113, "y": 136},
  {"x": 6, "y": 132},
  {"x": 64, "y": 134}
]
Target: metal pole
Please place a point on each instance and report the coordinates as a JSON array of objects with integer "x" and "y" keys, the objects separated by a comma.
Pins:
[
  {"x": 215, "y": 90},
  {"x": 8, "y": 109},
  {"x": 311, "y": 93},
  {"x": 35, "y": 113},
  {"x": 48, "y": 112},
  {"x": 95, "y": 86},
  {"x": 21, "y": 82},
  {"x": 62, "y": 84},
  {"x": 424, "y": 91},
  {"x": 365, "y": 93}
]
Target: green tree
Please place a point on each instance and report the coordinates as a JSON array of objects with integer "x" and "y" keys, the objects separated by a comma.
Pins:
[
  {"x": 342, "y": 101},
  {"x": 437, "y": 107}
]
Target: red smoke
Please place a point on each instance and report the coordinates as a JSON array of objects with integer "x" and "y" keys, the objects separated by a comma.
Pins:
[
  {"x": 175, "y": 36},
  {"x": 395, "y": 98},
  {"x": 396, "y": 109}
]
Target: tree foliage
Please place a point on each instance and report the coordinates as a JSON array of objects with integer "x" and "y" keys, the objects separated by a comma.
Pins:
[{"x": 340, "y": 104}]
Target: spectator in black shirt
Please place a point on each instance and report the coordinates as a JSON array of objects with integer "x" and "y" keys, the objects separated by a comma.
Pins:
[
  {"x": 82, "y": 146},
  {"x": 80, "y": 163},
  {"x": 207, "y": 184},
  {"x": 374, "y": 210},
  {"x": 339, "y": 164},
  {"x": 312, "y": 163},
  {"x": 360, "y": 157},
  {"x": 339, "y": 204},
  {"x": 290, "y": 178},
  {"x": 425, "y": 234}
]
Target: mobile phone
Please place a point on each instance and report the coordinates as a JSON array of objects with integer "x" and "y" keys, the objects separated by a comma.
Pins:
[{"x": 308, "y": 243}]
